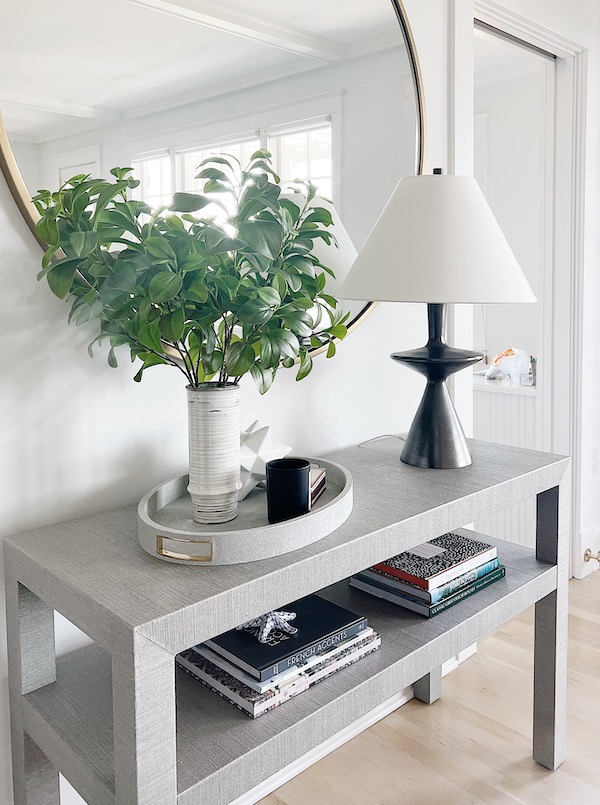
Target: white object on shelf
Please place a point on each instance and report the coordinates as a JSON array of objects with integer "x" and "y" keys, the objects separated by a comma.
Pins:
[{"x": 256, "y": 449}]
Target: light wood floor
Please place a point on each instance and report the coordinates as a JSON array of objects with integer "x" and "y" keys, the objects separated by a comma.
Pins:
[{"x": 474, "y": 744}]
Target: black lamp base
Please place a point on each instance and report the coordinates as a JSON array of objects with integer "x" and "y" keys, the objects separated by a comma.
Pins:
[{"x": 436, "y": 439}]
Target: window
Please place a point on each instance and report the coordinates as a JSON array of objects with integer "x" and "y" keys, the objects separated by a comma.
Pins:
[
  {"x": 304, "y": 153},
  {"x": 300, "y": 151},
  {"x": 155, "y": 175},
  {"x": 188, "y": 161}
]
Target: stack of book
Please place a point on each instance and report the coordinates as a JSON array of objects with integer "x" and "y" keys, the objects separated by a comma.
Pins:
[
  {"x": 256, "y": 677},
  {"x": 436, "y": 575}
]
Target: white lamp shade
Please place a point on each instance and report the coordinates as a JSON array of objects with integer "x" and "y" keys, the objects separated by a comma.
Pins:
[{"x": 437, "y": 241}]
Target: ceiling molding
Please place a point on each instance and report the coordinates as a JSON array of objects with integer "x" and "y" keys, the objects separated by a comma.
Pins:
[
  {"x": 96, "y": 113},
  {"x": 375, "y": 44},
  {"x": 247, "y": 81},
  {"x": 256, "y": 30}
]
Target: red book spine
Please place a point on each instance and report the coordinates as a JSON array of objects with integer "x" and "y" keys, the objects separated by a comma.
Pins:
[{"x": 401, "y": 574}]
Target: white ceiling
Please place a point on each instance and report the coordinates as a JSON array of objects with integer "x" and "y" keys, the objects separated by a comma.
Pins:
[{"x": 69, "y": 65}]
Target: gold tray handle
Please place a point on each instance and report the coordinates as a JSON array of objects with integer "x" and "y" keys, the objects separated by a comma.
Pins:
[{"x": 207, "y": 556}]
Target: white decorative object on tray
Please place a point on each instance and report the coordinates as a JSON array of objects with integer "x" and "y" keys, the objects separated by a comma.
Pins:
[
  {"x": 255, "y": 450},
  {"x": 166, "y": 529}
]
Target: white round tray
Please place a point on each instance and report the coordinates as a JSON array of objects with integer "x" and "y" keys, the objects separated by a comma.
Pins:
[{"x": 167, "y": 531}]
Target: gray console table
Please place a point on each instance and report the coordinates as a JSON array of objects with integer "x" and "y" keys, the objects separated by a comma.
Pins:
[{"x": 124, "y": 727}]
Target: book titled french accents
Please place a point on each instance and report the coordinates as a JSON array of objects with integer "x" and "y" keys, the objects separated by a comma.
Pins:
[
  {"x": 321, "y": 626},
  {"x": 255, "y": 703},
  {"x": 440, "y": 560}
]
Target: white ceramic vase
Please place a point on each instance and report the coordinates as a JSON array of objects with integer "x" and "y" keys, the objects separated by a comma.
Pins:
[{"x": 214, "y": 444}]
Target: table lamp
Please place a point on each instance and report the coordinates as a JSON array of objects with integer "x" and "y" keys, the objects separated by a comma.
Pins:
[{"x": 437, "y": 241}]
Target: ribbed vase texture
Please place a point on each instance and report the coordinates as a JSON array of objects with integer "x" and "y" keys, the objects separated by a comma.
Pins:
[{"x": 214, "y": 442}]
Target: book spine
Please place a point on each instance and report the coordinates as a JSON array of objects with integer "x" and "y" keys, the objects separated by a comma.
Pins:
[
  {"x": 429, "y": 596},
  {"x": 285, "y": 676},
  {"x": 263, "y": 705},
  {"x": 421, "y": 608},
  {"x": 318, "y": 674},
  {"x": 495, "y": 575},
  {"x": 395, "y": 597},
  {"x": 445, "y": 576},
  {"x": 322, "y": 644}
]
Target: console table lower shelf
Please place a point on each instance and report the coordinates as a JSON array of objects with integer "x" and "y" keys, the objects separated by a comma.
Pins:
[{"x": 221, "y": 753}]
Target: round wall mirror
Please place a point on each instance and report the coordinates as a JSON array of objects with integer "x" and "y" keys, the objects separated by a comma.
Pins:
[{"x": 331, "y": 89}]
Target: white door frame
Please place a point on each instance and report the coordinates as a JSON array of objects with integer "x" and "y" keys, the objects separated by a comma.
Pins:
[{"x": 563, "y": 340}]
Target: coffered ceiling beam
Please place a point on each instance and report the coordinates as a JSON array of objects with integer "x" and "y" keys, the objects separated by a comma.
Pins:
[{"x": 254, "y": 29}]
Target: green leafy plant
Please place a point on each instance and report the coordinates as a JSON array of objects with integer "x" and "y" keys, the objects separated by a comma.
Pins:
[{"x": 215, "y": 296}]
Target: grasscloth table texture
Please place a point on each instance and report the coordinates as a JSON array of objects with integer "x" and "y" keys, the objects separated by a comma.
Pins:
[{"x": 120, "y": 723}]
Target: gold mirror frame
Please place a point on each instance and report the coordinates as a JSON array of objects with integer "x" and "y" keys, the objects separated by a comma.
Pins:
[{"x": 21, "y": 195}]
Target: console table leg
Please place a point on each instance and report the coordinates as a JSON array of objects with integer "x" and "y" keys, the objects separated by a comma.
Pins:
[
  {"x": 32, "y": 664},
  {"x": 144, "y": 725},
  {"x": 551, "y": 619},
  {"x": 428, "y": 689}
]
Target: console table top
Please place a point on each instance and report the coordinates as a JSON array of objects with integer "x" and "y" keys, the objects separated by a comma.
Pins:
[{"x": 96, "y": 561}]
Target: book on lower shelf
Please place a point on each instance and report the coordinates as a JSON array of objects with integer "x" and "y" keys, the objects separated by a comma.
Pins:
[
  {"x": 434, "y": 576},
  {"x": 284, "y": 686},
  {"x": 420, "y": 606},
  {"x": 321, "y": 625},
  {"x": 441, "y": 560}
]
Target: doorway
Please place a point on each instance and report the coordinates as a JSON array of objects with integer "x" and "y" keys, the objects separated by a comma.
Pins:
[{"x": 514, "y": 89}]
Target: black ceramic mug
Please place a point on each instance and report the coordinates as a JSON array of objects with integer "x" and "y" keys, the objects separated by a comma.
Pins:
[{"x": 288, "y": 488}]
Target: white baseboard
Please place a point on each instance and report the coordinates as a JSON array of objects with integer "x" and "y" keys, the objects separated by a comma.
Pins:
[{"x": 351, "y": 731}]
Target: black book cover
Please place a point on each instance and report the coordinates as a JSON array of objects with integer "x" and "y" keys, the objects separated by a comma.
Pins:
[{"x": 321, "y": 626}]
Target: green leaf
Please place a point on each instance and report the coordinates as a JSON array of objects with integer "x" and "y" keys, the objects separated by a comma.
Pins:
[
  {"x": 83, "y": 243},
  {"x": 339, "y": 331},
  {"x": 172, "y": 325},
  {"x": 331, "y": 350},
  {"x": 60, "y": 276},
  {"x": 306, "y": 365},
  {"x": 188, "y": 202},
  {"x": 212, "y": 362},
  {"x": 239, "y": 359},
  {"x": 254, "y": 311},
  {"x": 262, "y": 153},
  {"x": 319, "y": 215},
  {"x": 191, "y": 262},
  {"x": 194, "y": 286},
  {"x": 215, "y": 174},
  {"x": 218, "y": 242},
  {"x": 264, "y": 237},
  {"x": 268, "y": 295},
  {"x": 112, "y": 358},
  {"x": 331, "y": 300},
  {"x": 300, "y": 322},
  {"x": 280, "y": 285},
  {"x": 47, "y": 230},
  {"x": 149, "y": 336},
  {"x": 262, "y": 377},
  {"x": 164, "y": 286},
  {"x": 149, "y": 360},
  {"x": 160, "y": 247},
  {"x": 281, "y": 343}
]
